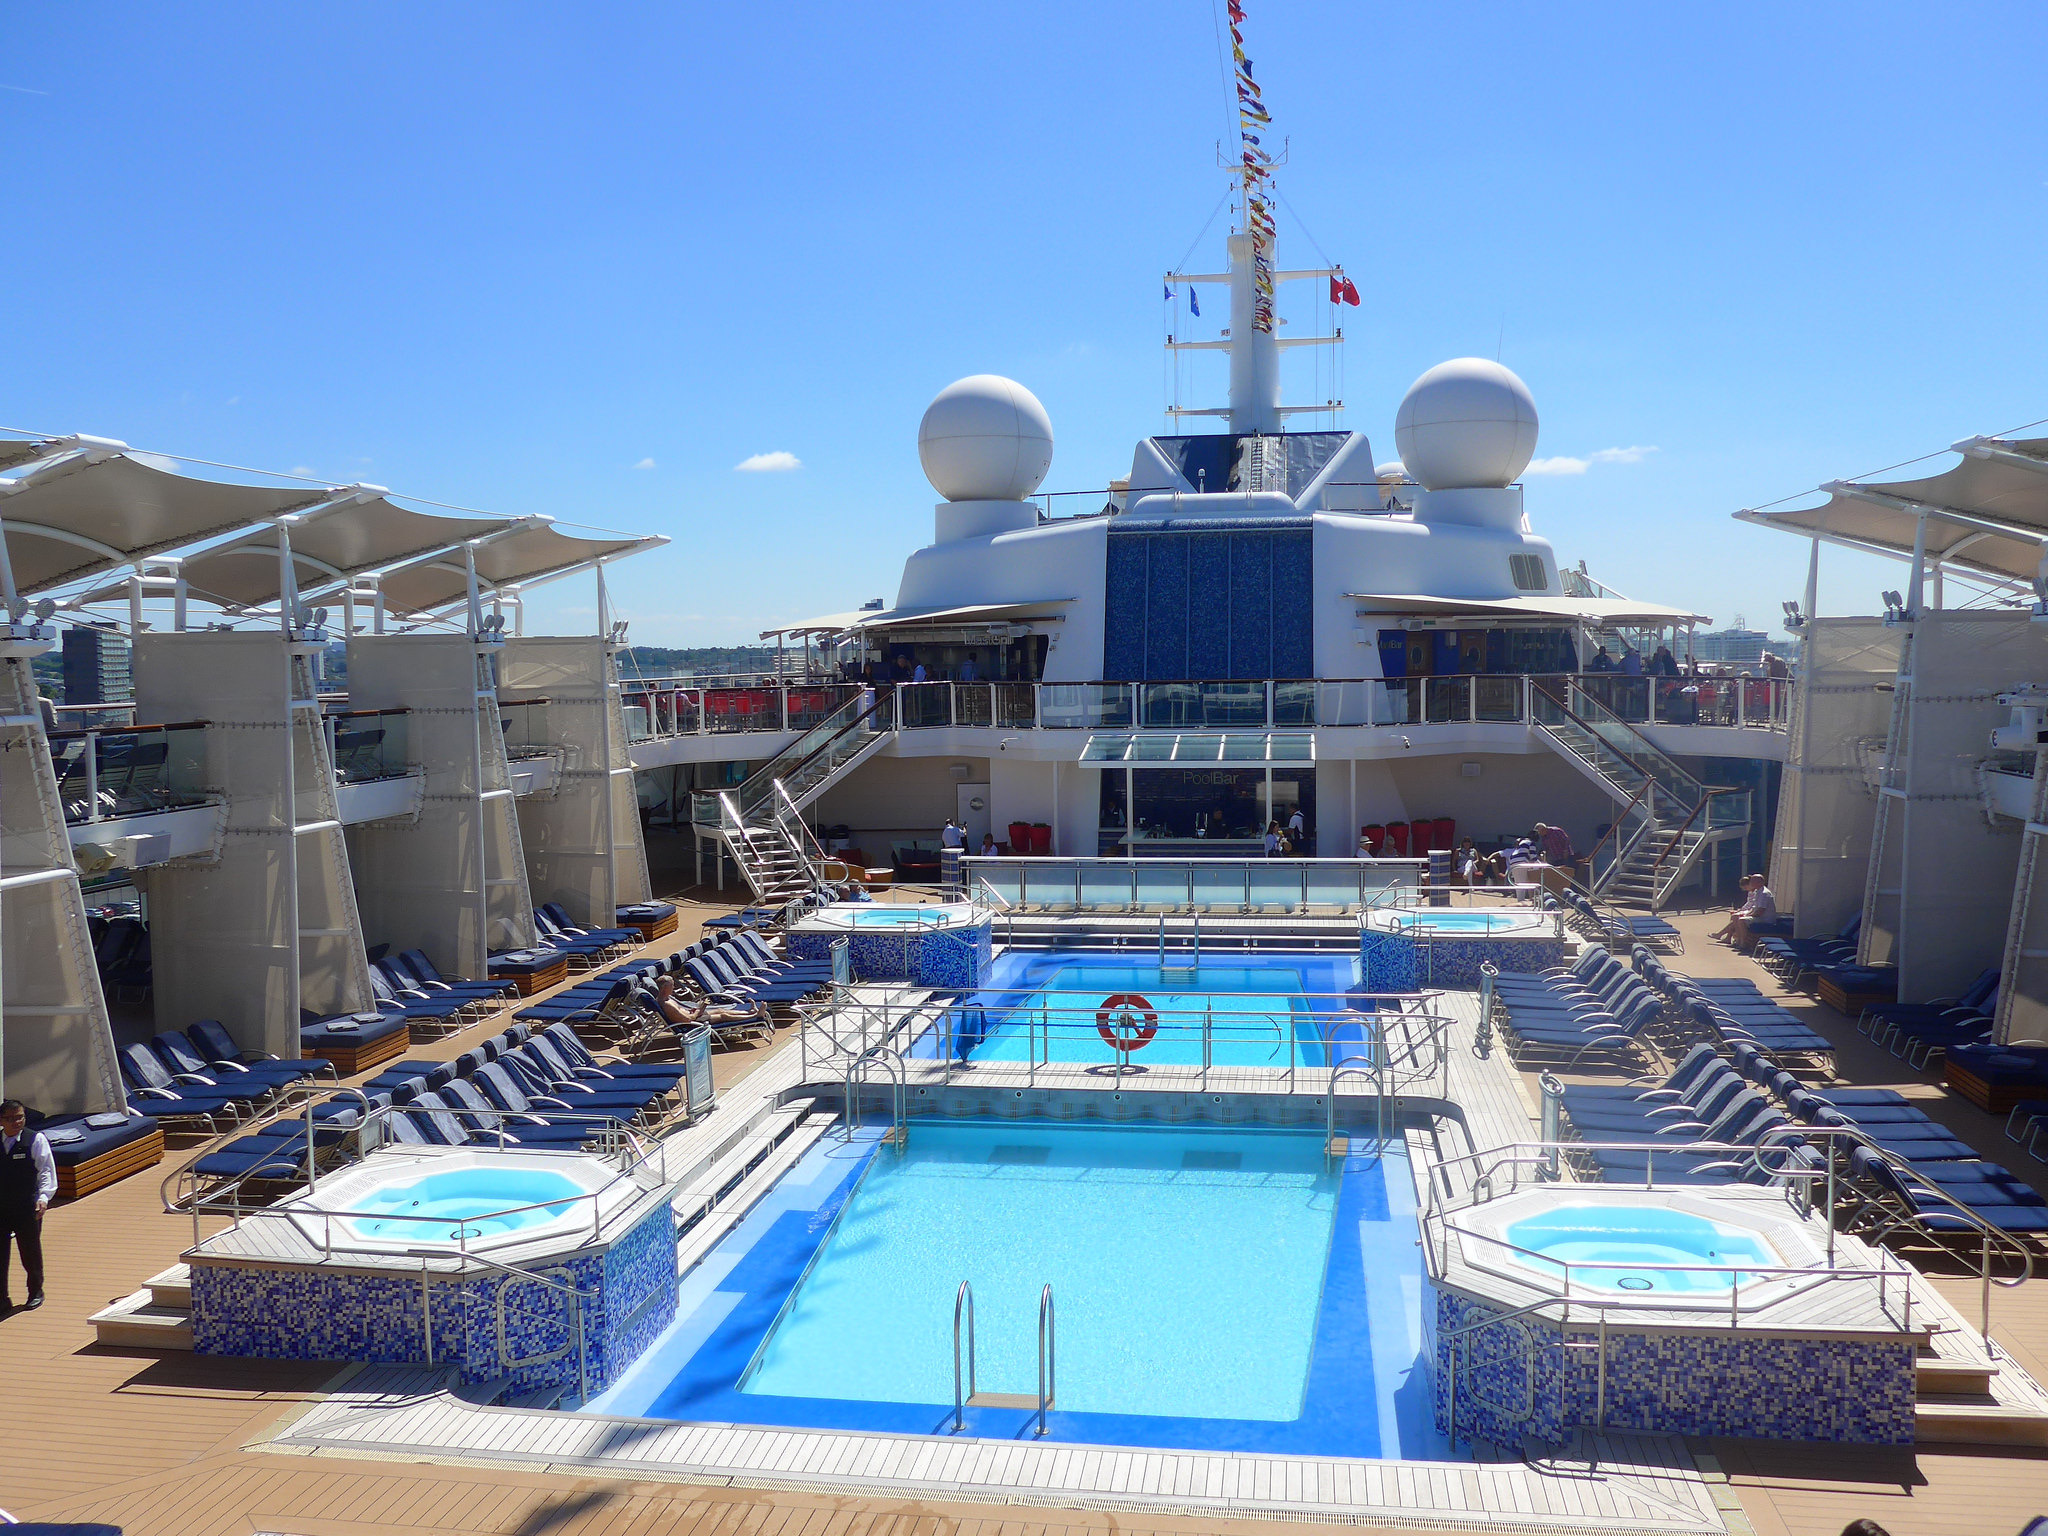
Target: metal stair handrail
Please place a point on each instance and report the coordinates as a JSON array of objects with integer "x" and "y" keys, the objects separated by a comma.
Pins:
[
  {"x": 1687, "y": 788},
  {"x": 820, "y": 739}
]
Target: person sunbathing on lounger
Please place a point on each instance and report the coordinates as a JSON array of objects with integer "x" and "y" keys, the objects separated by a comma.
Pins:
[{"x": 680, "y": 1009}]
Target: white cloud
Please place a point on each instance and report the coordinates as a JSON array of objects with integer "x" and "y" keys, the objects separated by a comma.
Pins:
[
  {"x": 1565, "y": 464},
  {"x": 768, "y": 463},
  {"x": 302, "y": 469},
  {"x": 645, "y": 464}
]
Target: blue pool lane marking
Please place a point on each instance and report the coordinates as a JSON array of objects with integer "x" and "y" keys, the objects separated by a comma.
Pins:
[{"x": 1366, "y": 1392}]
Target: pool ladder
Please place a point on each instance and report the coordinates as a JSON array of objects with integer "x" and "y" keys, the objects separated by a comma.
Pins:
[{"x": 965, "y": 1393}]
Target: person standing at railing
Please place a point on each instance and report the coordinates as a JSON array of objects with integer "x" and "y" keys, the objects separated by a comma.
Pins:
[{"x": 1663, "y": 663}]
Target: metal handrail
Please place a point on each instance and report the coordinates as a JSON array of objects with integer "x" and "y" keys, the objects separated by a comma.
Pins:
[
  {"x": 577, "y": 1296},
  {"x": 1656, "y": 754},
  {"x": 964, "y": 1297},
  {"x": 1614, "y": 831},
  {"x": 1048, "y": 1349}
]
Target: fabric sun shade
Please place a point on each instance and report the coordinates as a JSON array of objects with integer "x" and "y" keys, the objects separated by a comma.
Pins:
[
  {"x": 72, "y": 513},
  {"x": 527, "y": 552},
  {"x": 889, "y": 618},
  {"x": 329, "y": 545},
  {"x": 1988, "y": 514},
  {"x": 1593, "y": 610}
]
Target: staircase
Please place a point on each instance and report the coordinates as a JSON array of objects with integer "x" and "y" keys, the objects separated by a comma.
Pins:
[
  {"x": 1669, "y": 818},
  {"x": 759, "y": 822},
  {"x": 158, "y": 1317}
]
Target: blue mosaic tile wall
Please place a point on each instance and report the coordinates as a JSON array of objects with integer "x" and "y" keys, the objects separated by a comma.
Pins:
[
  {"x": 1184, "y": 603},
  {"x": 1746, "y": 1384},
  {"x": 1396, "y": 962},
  {"x": 953, "y": 960},
  {"x": 322, "y": 1313}
]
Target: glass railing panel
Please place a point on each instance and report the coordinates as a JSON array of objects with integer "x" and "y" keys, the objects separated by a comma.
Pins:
[
  {"x": 1109, "y": 884},
  {"x": 1170, "y": 704},
  {"x": 811, "y": 706},
  {"x": 1086, "y": 705},
  {"x": 974, "y": 704},
  {"x": 741, "y": 709},
  {"x": 925, "y": 705},
  {"x": 103, "y": 774},
  {"x": 639, "y": 722},
  {"x": 1276, "y": 883},
  {"x": 1217, "y": 884},
  {"x": 1006, "y": 880},
  {"x": 1728, "y": 810},
  {"x": 1450, "y": 699},
  {"x": 1160, "y": 882},
  {"x": 1295, "y": 701},
  {"x": 1497, "y": 698},
  {"x": 1330, "y": 885},
  {"x": 1015, "y": 705},
  {"x": 1358, "y": 702},
  {"x": 371, "y": 745},
  {"x": 1234, "y": 703}
]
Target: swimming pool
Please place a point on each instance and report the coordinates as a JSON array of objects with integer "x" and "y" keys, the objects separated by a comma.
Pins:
[
  {"x": 1603, "y": 1243},
  {"x": 1258, "y": 1009},
  {"x": 1224, "y": 1289},
  {"x": 870, "y": 914},
  {"x": 1461, "y": 924}
]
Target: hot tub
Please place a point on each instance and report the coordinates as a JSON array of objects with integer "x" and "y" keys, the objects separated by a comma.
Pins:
[
  {"x": 406, "y": 1201},
  {"x": 1405, "y": 948},
  {"x": 931, "y": 944},
  {"x": 1638, "y": 1250}
]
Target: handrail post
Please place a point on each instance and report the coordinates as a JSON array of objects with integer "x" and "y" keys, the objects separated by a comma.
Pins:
[
  {"x": 963, "y": 1297},
  {"x": 1048, "y": 1365}
]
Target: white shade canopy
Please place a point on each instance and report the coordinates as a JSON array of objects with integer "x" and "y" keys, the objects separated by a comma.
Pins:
[
  {"x": 1988, "y": 514},
  {"x": 893, "y": 618},
  {"x": 364, "y": 531},
  {"x": 531, "y": 550},
  {"x": 1590, "y": 610},
  {"x": 78, "y": 506}
]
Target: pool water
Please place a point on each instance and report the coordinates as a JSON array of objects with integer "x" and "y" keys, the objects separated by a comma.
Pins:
[
  {"x": 1610, "y": 1239},
  {"x": 1259, "y": 1010},
  {"x": 1464, "y": 924},
  {"x": 1224, "y": 1289},
  {"x": 460, "y": 1204},
  {"x": 876, "y": 915}
]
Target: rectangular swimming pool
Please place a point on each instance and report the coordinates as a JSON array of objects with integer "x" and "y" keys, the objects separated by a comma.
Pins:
[
  {"x": 1257, "y": 1009},
  {"x": 1217, "y": 1289}
]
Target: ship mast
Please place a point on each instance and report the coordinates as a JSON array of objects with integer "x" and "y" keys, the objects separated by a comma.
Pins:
[{"x": 1252, "y": 343}]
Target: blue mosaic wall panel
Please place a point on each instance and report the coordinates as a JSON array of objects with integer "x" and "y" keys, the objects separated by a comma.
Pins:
[
  {"x": 1186, "y": 603},
  {"x": 953, "y": 960},
  {"x": 1397, "y": 962},
  {"x": 1520, "y": 1379},
  {"x": 320, "y": 1313}
]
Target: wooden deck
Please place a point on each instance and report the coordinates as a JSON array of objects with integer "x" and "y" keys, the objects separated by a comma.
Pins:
[{"x": 161, "y": 1445}]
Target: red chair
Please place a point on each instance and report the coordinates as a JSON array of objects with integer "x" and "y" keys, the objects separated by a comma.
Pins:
[
  {"x": 1375, "y": 837},
  {"x": 1443, "y": 833},
  {"x": 1418, "y": 839},
  {"x": 1397, "y": 834}
]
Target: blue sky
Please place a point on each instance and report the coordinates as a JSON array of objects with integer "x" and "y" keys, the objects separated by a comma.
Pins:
[{"x": 585, "y": 260}]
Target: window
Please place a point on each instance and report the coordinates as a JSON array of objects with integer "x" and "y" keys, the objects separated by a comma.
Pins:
[{"x": 1527, "y": 573}]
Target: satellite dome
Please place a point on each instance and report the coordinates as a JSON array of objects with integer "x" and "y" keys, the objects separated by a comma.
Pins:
[
  {"x": 1466, "y": 423},
  {"x": 985, "y": 438}
]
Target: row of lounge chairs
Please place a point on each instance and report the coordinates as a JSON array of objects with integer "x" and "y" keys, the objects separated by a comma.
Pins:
[
  {"x": 1591, "y": 1007},
  {"x": 1919, "y": 1032},
  {"x": 732, "y": 970},
  {"x": 1605, "y": 927},
  {"x": 201, "y": 1079},
  {"x": 522, "y": 1088},
  {"x": 1732, "y": 1010},
  {"x": 1892, "y": 1168}
]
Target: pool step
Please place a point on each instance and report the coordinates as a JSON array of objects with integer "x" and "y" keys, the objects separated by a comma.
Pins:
[
  {"x": 1970, "y": 1418},
  {"x": 1025, "y": 1400},
  {"x": 719, "y": 1206},
  {"x": 1940, "y": 1376},
  {"x": 140, "y": 1321}
]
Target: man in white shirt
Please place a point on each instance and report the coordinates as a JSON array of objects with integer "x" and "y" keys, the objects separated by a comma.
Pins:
[
  {"x": 955, "y": 835},
  {"x": 1297, "y": 833},
  {"x": 28, "y": 1183},
  {"x": 1760, "y": 906}
]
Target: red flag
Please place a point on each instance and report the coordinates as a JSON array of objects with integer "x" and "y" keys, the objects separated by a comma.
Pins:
[
  {"x": 1336, "y": 289},
  {"x": 1350, "y": 291}
]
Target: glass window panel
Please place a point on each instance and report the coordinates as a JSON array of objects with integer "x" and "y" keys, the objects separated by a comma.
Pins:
[
  {"x": 1105, "y": 885},
  {"x": 1198, "y": 749}
]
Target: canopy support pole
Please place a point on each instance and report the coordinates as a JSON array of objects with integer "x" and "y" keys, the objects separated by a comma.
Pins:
[
  {"x": 1812, "y": 609},
  {"x": 1917, "y": 586}
]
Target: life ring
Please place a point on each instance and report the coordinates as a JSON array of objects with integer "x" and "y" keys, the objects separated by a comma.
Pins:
[{"x": 1126, "y": 1020}]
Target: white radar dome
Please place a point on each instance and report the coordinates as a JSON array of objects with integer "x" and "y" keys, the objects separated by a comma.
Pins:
[
  {"x": 1466, "y": 423},
  {"x": 985, "y": 438}
]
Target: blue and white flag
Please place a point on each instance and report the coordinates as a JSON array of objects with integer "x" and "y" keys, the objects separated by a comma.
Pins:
[{"x": 1194, "y": 304}]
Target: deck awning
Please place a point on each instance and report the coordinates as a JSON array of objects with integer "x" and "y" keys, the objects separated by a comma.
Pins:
[
  {"x": 1599, "y": 611},
  {"x": 898, "y": 618},
  {"x": 530, "y": 551},
  {"x": 364, "y": 532},
  {"x": 79, "y": 506},
  {"x": 1162, "y": 749},
  {"x": 1988, "y": 514}
]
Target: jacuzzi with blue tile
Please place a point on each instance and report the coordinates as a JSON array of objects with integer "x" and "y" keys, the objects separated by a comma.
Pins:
[
  {"x": 1409, "y": 948},
  {"x": 532, "y": 1270},
  {"x": 930, "y": 944}
]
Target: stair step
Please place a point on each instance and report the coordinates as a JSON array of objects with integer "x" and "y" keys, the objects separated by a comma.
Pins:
[
  {"x": 1938, "y": 1377},
  {"x": 1976, "y": 1419},
  {"x": 172, "y": 1288},
  {"x": 137, "y": 1322}
]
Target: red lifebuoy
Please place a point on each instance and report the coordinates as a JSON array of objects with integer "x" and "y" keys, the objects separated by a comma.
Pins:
[{"x": 1126, "y": 1020}]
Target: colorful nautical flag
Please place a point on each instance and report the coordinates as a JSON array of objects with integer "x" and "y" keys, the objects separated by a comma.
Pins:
[
  {"x": 1194, "y": 304},
  {"x": 1350, "y": 291}
]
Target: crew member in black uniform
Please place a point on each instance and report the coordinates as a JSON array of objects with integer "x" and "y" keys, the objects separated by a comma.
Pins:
[{"x": 28, "y": 1182}]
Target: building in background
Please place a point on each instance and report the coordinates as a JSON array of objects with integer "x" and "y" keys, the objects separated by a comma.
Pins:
[{"x": 96, "y": 669}]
